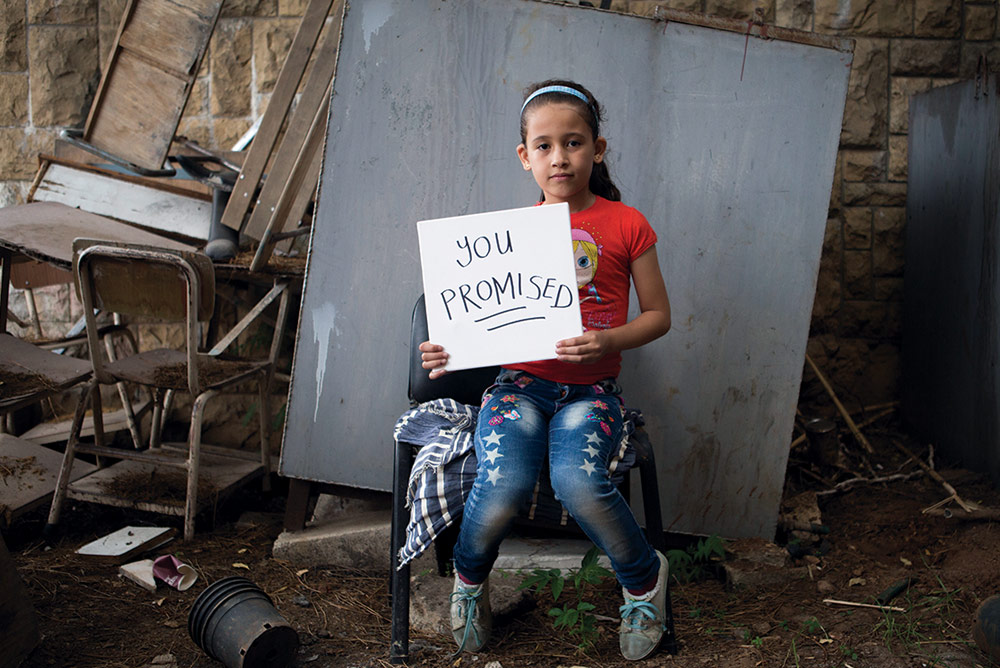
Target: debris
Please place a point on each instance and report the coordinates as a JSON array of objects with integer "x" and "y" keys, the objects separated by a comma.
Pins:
[
  {"x": 127, "y": 542},
  {"x": 840, "y": 407},
  {"x": 301, "y": 601},
  {"x": 139, "y": 572},
  {"x": 893, "y": 591},
  {"x": 852, "y": 604},
  {"x": 172, "y": 572},
  {"x": 935, "y": 475}
]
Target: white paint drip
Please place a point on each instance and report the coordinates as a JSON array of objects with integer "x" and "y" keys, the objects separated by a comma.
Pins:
[
  {"x": 374, "y": 14},
  {"x": 324, "y": 321}
]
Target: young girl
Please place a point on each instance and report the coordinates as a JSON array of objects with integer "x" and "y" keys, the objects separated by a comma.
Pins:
[{"x": 568, "y": 408}]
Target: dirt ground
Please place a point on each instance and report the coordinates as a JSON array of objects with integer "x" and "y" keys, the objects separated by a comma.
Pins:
[{"x": 877, "y": 536}]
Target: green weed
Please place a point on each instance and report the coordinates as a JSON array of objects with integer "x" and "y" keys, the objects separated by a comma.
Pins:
[
  {"x": 575, "y": 616},
  {"x": 695, "y": 562}
]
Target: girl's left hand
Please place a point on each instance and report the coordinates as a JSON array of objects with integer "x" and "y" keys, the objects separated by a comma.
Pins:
[{"x": 587, "y": 348}]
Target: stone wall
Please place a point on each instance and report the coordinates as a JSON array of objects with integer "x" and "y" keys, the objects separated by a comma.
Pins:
[{"x": 51, "y": 52}]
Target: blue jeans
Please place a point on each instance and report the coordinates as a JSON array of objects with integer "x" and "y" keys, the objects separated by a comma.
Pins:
[{"x": 523, "y": 419}]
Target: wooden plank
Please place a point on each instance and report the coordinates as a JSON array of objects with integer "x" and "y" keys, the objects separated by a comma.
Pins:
[
  {"x": 307, "y": 122},
  {"x": 148, "y": 77},
  {"x": 29, "y": 373},
  {"x": 217, "y": 477},
  {"x": 18, "y": 624},
  {"x": 31, "y": 274},
  {"x": 58, "y": 431},
  {"x": 178, "y": 48},
  {"x": 127, "y": 201},
  {"x": 28, "y": 473},
  {"x": 140, "y": 112},
  {"x": 277, "y": 109}
]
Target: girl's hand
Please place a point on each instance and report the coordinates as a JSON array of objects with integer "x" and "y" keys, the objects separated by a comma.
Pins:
[
  {"x": 587, "y": 348},
  {"x": 434, "y": 358}
]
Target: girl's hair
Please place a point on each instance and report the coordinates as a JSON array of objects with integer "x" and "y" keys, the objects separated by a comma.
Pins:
[{"x": 600, "y": 179}]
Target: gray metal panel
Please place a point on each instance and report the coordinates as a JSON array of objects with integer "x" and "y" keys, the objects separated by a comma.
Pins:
[
  {"x": 951, "y": 343},
  {"x": 731, "y": 163}
]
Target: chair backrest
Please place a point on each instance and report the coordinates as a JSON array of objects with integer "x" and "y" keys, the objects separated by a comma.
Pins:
[
  {"x": 145, "y": 281},
  {"x": 464, "y": 386}
]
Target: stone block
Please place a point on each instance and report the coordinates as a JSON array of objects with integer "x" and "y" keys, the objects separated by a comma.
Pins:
[
  {"x": 833, "y": 235},
  {"x": 197, "y": 129},
  {"x": 13, "y": 36},
  {"x": 866, "y": 107},
  {"x": 13, "y": 99},
  {"x": 358, "y": 541},
  {"x": 829, "y": 294},
  {"x": 272, "y": 40},
  {"x": 109, "y": 19},
  {"x": 857, "y": 228},
  {"x": 63, "y": 74},
  {"x": 13, "y": 192},
  {"x": 62, "y": 12},
  {"x": 867, "y": 319},
  {"x": 754, "y": 563},
  {"x": 902, "y": 88},
  {"x": 889, "y": 288},
  {"x": 874, "y": 194},
  {"x": 889, "y": 18},
  {"x": 937, "y": 18},
  {"x": 231, "y": 53},
  {"x": 227, "y": 130},
  {"x": 524, "y": 554},
  {"x": 887, "y": 250},
  {"x": 971, "y": 54},
  {"x": 925, "y": 57},
  {"x": 863, "y": 165},
  {"x": 742, "y": 9},
  {"x": 292, "y": 7},
  {"x": 835, "y": 190},
  {"x": 330, "y": 507},
  {"x": 796, "y": 14},
  {"x": 19, "y": 151},
  {"x": 234, "y": 9},
  {"x": 197, "y": 102},
  {"x": 980, "y": 22},
  {"x": 898, "y": 152},
  {"x": 858, "y": 275},
  {"x": 430, "y": 601}
]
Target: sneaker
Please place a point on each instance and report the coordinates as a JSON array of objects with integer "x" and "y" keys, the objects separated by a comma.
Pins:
[
  {"x": 471, "y": 617},
  {"x": 643, "y": 624}
]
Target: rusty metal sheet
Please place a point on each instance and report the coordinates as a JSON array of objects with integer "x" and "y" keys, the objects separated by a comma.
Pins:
[{"x": 727, "y": 142}]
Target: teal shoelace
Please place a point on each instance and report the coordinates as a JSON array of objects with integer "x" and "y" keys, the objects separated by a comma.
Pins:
[
  {"x": 633, "y": 614},
  {"x": 470, "y": 600}
]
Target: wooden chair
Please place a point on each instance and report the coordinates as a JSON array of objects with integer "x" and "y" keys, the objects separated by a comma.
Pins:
[
  {"x": 175, "y": 287},
  {"x": 467, "y": 387}
]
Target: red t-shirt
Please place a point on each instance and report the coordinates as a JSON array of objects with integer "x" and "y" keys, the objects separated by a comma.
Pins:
[{"x": 607, "y": 237}]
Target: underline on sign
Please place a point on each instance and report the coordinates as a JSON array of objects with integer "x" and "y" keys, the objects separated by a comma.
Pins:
[
  {"x": 514, "y": 322},
  {"x": 510, "y": 310}
]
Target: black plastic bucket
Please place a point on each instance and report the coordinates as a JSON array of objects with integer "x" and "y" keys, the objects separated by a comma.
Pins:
[{"x": 235, "y": 622}]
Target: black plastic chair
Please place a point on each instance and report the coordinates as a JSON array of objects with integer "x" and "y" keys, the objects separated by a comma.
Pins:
[{"x": 467, "y": 387}]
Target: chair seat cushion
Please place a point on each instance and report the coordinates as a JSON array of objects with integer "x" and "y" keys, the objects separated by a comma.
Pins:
[
  {"x": 167, "y": 369},
  {"x": 445, "y": 469}
]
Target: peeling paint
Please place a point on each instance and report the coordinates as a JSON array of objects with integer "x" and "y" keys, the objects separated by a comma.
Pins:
[
  {"x": 374, "y": 15},
  {"x": 324, "y": 321}
]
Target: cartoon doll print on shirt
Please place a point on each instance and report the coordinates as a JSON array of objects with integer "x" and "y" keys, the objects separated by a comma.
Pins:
[{"x": 585, "y": 255}]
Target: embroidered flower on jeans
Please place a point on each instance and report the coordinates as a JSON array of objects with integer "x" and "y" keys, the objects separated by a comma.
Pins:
[
  {"x": 509, "y": 398},
  {"x": 606, "y": 428},
  {"x": 495, "y": 420},
  {"x": 512, "y": 414},
  {"x": 522, "y": 382},
  {"x": 600, "y": 404}
]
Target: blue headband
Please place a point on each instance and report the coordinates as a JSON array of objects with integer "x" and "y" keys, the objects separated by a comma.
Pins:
[{"x": 557, "y": 89}]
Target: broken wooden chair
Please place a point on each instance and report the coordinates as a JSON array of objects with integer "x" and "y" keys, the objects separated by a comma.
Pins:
[{"x": 174, "y": 287}]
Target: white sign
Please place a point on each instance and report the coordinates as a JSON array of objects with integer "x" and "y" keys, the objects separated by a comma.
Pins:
[{"x": 500, "y": 287}]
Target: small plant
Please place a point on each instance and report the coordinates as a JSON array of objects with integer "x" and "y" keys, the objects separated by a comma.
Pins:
[
  {"x": 694, "y": 563},
  {"x": 575, "y": 616}
]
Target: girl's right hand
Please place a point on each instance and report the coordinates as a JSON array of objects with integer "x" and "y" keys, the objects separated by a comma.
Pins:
[{"x": 434, "y": 358}]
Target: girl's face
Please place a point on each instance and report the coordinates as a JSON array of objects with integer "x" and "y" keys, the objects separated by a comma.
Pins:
[{"x": 560, "y": 152}]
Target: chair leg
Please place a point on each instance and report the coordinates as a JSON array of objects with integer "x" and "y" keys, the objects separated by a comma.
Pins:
[
  {"x": 399, "y": 583},
  {"x": 194, "y": 451},
  {"x": 65, "y": 470},
  {"x": 265, "y": 428}
]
